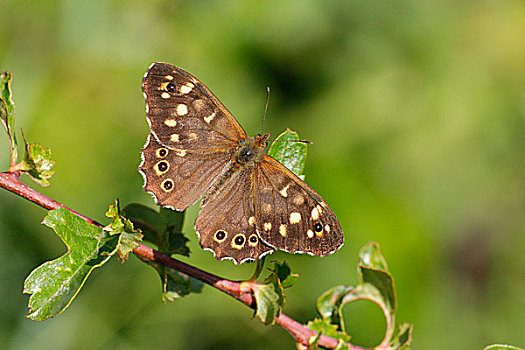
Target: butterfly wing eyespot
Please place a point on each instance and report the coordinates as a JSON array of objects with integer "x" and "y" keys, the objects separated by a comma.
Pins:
[
  {"x": 220, "y": 236},
  {"x": 253, "y": 240},
  {"x": 161, "y": 152},
  {"x": 177, "y": 181},
  {"x": 170, "y": 87}
]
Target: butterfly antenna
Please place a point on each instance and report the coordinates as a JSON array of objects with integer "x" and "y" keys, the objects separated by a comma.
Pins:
[
  {"x": 266, "y": 107},
  {"x": 264, "y": 118},
  {"x": 301, "y": 141}
]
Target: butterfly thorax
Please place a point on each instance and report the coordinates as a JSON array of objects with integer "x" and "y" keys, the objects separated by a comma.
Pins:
[{"x": 251, "y": 151}]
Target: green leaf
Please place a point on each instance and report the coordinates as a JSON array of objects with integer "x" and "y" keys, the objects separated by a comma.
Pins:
[
  {"x": 163, "y": 228},
  {"x": 129, "y": 235},
  {"x": 326, "y": 328},
  {"x": 7, "y": 113},
  {"x": 269, "y": 298},
  {"x": 284, "y": 274},
  {"x": 370, "y": 256},
  {"x": 54, "y": 284},
  {"x": 37, "y": 163},
  {"x": 313, "y": 341},
  {"x": 376, "y": 285},
  {"x": 501, "y": 347},
  {"x": 372, "y": 268},
  {"x": 291, "y": 154},
  {"x": 270, "y": 295},
  {"x": 258, "y": 269},
  {"x": 5, "y": 92},
  {"x": 402, "y": 338},
  {"x": 330, "y": 305},
  {"x": 176, "y": 284}
]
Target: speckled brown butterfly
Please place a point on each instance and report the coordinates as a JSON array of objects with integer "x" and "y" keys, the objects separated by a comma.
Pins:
[{"x": 253, "y": 203}]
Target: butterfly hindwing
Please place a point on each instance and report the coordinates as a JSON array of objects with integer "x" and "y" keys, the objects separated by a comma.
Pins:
[
  {"x": 178, "y": 178},
  {"x": 290, "y": 215},
  {"x": 226, "y": 223},
  {"x": 184, "y": 114}
]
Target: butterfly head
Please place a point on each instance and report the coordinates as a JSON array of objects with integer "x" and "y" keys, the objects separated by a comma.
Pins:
[{"x": 260, "y": 140}]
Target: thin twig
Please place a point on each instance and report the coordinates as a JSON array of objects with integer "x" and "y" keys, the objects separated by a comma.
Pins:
[{"x": 301, "y": 334}]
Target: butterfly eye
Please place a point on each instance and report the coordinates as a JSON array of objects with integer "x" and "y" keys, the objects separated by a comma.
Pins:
[
  {"x": 318, "y": 227},
  {"x": 170, "y": 87}
]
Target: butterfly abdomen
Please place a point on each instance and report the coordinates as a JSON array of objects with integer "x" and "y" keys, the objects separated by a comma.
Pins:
[{"x": 217, "y": 185}]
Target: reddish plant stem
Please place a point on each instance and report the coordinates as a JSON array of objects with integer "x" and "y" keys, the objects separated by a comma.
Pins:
[
  {"x": 10, "y": 182},
  {"x": 301, "y": 334}
]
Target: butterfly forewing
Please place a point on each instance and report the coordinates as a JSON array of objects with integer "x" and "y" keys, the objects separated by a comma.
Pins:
[
  {"x": 226, "y": 224},
  {"x": 184, "y": 114},
  {"x": 290, "y": 215},
  {"x": 178, "y": 178}
]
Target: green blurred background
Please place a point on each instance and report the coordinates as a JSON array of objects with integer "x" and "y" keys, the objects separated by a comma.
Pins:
[{"x": 417, "y": 114}]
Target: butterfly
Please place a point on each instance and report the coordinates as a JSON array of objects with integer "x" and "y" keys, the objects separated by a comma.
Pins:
[{"x": 252, "y": 204}]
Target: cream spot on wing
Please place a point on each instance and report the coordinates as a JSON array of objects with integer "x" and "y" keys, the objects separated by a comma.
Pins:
[
  {"x": 267, "y": 226},
  {"x": 199, "y": 105},
  {"x": 165, "y": 95},
  {"x": 181, "y": 109},
  {"x": 169, "y": 77},
  {"x": 295, "y": 217},
  {"x": 209, "y": 118},
  {"x": 180, "y": 152},
  {"x": 310, "y": 233},
  {"x": 284, "y": 190},
  {"x": 315, "y": 214},
  {"x": 192, "y": 136},
  {"x": 170, "y": 122},
  {"x": 251, "y": 220},
  {"x": 186, "y": 88},
  {"x": 174, "y": 138},
  {"x": 282, "y": 230},
  {"x": 327, "y": 228},
  {"x": 298, "y": 199}
]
